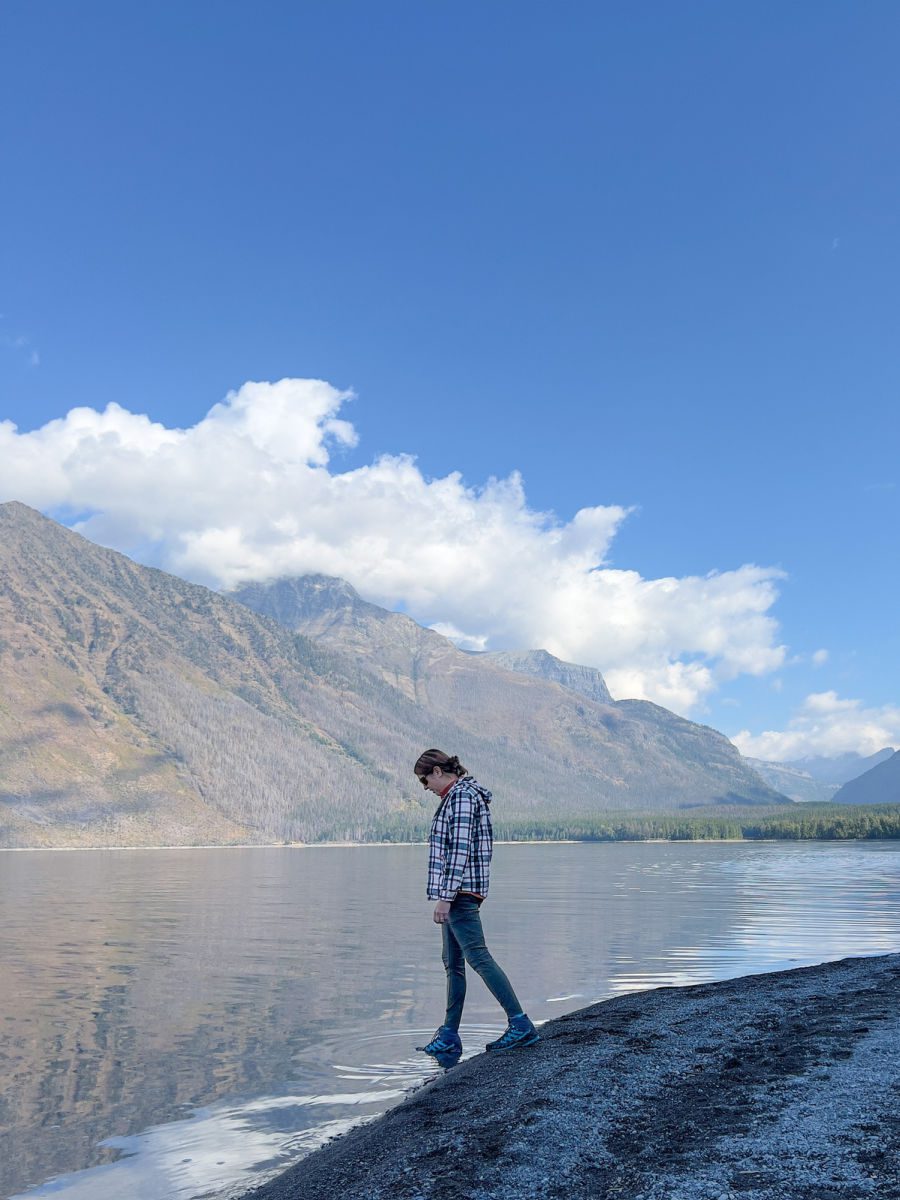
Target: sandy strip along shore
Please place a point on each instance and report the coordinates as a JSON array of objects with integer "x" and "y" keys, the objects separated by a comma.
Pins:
[{"x": 784, "y": 1085}]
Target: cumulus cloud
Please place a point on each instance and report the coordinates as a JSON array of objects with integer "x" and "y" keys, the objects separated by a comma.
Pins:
[
  {"x": 820, "y": 658},
  {"x": 249, "y": 493},
  {"x": 826, "y": 724}
]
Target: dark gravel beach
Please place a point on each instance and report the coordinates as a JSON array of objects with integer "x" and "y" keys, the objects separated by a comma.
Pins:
[{"x": 779, "y": 1085}]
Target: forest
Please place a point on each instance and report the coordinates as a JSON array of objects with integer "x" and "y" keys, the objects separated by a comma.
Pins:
[{"x": 825, "y": 822}]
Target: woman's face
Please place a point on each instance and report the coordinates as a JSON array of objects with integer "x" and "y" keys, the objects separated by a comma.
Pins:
[{"x": 437, "y": 780}]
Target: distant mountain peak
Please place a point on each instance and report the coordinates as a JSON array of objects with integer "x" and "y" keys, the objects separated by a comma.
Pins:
[
  {"x": 587, "y": 681},
  {"x": 328, "y": 587},
  {"x": 879, "y": 785},
  {"x": 299, "y": 600},
  {"x": 839, "y": 768}
]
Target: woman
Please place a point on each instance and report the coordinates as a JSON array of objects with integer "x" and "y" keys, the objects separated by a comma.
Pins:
[{"x": 459, "y": 863}]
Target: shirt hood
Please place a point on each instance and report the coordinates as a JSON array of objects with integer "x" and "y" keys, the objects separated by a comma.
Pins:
[{"x": 472, "y": 783}]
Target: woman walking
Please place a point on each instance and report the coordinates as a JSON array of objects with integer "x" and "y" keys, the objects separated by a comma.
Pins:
[{"x": 459, "y": 863}]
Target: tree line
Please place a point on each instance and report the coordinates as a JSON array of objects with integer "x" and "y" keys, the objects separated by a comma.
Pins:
[{"x": 824, "y": 822}]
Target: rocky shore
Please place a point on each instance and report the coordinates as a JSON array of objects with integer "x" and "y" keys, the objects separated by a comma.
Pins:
[{"x": 784, "y": 1085}]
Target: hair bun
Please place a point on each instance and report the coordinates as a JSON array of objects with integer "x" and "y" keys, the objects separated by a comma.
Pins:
[{"x": 437, "y": 758}]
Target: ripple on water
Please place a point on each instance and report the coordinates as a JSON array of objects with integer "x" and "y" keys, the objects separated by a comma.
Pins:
[
  {"x": 303, "y": 1017},
  {"x": 225, "y": 1149}
]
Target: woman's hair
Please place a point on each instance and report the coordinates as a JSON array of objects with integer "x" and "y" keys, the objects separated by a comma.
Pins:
[{"x": 426, "y": 763}]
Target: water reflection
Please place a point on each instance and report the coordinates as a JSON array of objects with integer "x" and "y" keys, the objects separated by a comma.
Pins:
[{"x": 183, "y": 1023}]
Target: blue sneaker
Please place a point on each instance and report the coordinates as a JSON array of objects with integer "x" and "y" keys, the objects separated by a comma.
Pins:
[
  {"x": 519, "y": 1032},
  {"x": 445, "y": 1041}
]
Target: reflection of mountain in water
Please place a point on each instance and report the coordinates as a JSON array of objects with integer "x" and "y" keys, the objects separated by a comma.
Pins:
[{"x": 141, "y": 986}]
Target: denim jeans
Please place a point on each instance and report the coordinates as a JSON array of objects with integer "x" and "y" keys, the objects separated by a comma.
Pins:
[{"x": 463, "y": 942}]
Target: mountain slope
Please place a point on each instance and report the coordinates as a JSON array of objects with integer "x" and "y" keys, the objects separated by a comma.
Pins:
[
  {"x": 637, "y": 754},
  {"x": 136, "y": 708},
  {"x": 879, "y": 785},
  {"x": 839, "y": 768},
  {"x": 139, "y": 708},
  {"x": 816, "y": 779},
  {"x": 797, "y": 785}
]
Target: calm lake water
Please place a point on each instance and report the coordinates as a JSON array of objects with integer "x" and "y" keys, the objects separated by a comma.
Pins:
[{"x": 184, "y": 1023}]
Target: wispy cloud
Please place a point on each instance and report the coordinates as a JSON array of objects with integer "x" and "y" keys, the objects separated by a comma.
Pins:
[
  {"x": 249, "y": 493},
  {"x": 18, "y": 343}
]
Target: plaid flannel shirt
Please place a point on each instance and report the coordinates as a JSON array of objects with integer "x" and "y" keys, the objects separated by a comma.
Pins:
[{"x": 460, "y": 842}]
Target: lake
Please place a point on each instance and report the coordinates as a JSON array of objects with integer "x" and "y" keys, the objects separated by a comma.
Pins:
[{"x": 184, "y": 1023}]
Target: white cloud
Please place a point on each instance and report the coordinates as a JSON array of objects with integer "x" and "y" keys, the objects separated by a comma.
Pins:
[
  {"x": 466, "y": 641},
  {"x": 820, "y": 658},
  {"x": 248, "y": 493},
  {"x": 828, "y": 725}
]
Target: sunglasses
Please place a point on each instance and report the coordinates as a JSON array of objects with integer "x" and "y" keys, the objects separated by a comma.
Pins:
[{"x": 423, "y": 779}]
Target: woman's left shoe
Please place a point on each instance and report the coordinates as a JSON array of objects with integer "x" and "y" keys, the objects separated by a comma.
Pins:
[{"x": 519, "y": 1032}]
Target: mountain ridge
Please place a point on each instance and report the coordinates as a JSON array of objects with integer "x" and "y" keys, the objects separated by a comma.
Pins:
[
  {"x": 587, "y": 681},
  {"x": 138, "y": 709},
  {"x": 816, "y": 779},
  {"x": 408, "y": 655},
  {"x": 839, "y": 768},
  {"x": 879, "y": 785}
]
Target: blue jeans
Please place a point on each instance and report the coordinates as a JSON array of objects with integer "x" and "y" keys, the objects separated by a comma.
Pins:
[{"x": 463, "y": 942}]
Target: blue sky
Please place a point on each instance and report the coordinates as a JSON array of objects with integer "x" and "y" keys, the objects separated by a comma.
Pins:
[{"x": 646, "y": 256}]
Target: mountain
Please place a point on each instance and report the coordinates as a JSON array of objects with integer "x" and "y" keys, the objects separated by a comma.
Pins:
[
  {"x": 330, "y": 610},
  {"x": 840, "y": 768},
  {"x": 879, "y": 785},
  {"x": 816, "y": 778},
  {"x": 587, "y": 681},
  {"x": 630, "y": 754},
  {"x": 794, "y": 783},
  {"x": 138, "y": 709}
]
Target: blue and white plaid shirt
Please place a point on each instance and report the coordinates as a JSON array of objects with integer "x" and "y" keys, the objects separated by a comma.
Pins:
[{"x": 460, "y": 842}]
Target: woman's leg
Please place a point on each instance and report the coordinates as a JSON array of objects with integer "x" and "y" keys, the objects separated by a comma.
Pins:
[
  {"x": 464, "y": 927},
  {"x": 455, "y": 966}
]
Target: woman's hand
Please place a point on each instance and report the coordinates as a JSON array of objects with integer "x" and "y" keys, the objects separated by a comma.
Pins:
[{"x": 441, "y": 912}]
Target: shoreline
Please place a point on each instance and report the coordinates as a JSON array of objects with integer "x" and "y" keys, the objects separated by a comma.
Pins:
[
  {"x": 778, "y": 1086},
  {"x": 339, "y": 845},
  {"x": 755, "y": 841}
]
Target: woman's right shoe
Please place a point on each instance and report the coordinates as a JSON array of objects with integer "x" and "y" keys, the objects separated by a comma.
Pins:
[
  {"x": 519, "y": 1032},
  {"x": 445, "y": 1041}
]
